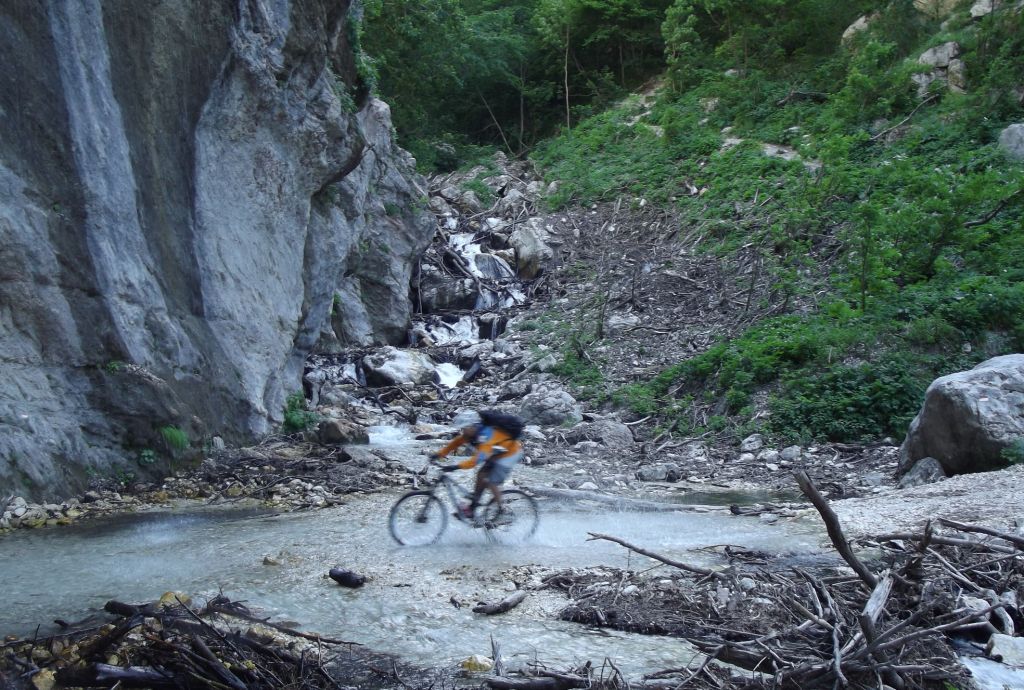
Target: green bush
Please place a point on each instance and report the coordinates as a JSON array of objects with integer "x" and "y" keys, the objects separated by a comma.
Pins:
[
  {"x": 850, "y": 403},
  {"x": 175, "y": 438},
  {"x": 296, "y": 416}
]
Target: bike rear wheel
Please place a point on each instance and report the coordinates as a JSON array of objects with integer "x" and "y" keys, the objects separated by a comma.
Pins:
[
  {"x": 417, "y": 518},
  {"x": 517, "y": 519}
]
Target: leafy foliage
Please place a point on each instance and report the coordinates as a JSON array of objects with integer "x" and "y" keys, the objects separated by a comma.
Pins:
[
  {"x": 296, "y": 416},
  {"x": 175, "y": 438},
  {"x": 917, "y": 210}
]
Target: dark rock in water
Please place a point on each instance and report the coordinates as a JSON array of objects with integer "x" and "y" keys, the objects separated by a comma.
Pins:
[{"x": 346, "y": 578}]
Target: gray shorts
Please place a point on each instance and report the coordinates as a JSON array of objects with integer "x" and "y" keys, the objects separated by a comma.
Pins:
[{"x": 500, "y": 469}]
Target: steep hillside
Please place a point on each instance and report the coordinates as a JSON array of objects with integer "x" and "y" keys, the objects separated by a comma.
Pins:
[
  {"x": 191, "y": 194},
  {"x": 859, "y": 202}
]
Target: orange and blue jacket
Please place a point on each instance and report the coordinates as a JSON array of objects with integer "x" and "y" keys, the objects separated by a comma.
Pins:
[{"x": 490, "y": 443}]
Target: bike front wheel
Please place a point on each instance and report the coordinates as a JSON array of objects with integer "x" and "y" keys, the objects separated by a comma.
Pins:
[
  {"x": 417, "y": 518},
  {"x": 516, "y": 520}
]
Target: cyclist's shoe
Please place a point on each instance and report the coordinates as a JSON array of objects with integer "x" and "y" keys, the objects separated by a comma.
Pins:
[{"x": 465, "y": 512}]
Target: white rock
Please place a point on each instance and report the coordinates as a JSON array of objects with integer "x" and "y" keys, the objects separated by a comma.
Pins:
[
  {"x": 752, "y": 443},
  {"x": 1009, "y": 650}
]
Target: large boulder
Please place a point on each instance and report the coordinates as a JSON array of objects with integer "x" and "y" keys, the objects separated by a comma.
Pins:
[
  {"x": 610, "y": 433},
  {"x": 390, "y": 366},
  {"x": 548, "y": 404},
  {"x": 533, "y": 253},
  {"x": 969, "y": 418}
]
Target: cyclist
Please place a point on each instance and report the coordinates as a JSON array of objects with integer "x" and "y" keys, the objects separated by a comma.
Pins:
[{"x": 495, "y": 447}]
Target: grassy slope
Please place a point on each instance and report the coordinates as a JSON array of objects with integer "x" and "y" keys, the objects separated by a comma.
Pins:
[{"x": 923, "y": 279}]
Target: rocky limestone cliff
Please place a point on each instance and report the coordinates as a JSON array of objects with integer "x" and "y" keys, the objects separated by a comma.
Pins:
[{"x": 193, "y": 194}]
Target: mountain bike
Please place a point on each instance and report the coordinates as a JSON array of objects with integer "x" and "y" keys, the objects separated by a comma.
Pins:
[{"x": 420, "y": 517}]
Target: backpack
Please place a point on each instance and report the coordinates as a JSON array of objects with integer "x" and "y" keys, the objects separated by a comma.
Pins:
[{"x": 509, "y": 423}]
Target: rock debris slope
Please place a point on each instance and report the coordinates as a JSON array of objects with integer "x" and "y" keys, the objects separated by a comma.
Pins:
[{"x": 192, "y": 195}]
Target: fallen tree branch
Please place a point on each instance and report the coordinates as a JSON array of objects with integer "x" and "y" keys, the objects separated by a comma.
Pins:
[
  {"x": 835, "y": 531},
  {"x": 667, "y": 561},
  {"x": 1012, "y": 538},
  {"x": 506, "y": 604}
]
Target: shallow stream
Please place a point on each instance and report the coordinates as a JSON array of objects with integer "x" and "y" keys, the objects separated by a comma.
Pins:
[{"x": 406, "y": 606}]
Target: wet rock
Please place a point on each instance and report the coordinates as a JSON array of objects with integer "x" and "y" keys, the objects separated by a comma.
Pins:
[
  {"x": 1006, "y": 649},
  {"x": 339, "y": 431},
  {"x": 924, "y": 471},
  {"x": 768, "y": 455},
  {"x": 791, "y": 453},
  {"x": 391, "y": 366},
  {"x": 347, "y": 578},
  {"x": 661, "y": 472},
  {"x": 492, "y": 267},
  {"x": 442, "y": 293}
]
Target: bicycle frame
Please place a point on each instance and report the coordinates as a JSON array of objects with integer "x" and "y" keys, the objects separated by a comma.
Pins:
[{"x": 453, "y": 489}]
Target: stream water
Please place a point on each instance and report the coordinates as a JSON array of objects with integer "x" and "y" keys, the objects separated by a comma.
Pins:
[{"x": 404, "y": 608}]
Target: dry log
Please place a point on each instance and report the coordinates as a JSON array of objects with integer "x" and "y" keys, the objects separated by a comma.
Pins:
[
  {"x": 506, "y": 604},
  {"x": 105, "y": 675},
  {"x": 835, "y": 531},
  {"x": 667, "y": 561},
  {"x": 1012, "y": 538},
  {"x": 216, "y": 665},
  {"x": 524, "y": 684},
  {"x": 119, "y": 608},
  {"x": 945, "y": 541}
]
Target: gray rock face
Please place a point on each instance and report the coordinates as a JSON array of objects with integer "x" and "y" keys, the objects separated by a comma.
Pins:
[
  {"x": 1011, "y": 141},
  {"x": 969, "y": 418},
  {"x": 181, "y": 221}
]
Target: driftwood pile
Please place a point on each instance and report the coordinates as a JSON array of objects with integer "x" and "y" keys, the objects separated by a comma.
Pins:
[
  {"x": 888, "y": 621},
  {"x": 173, "y": 645}
]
